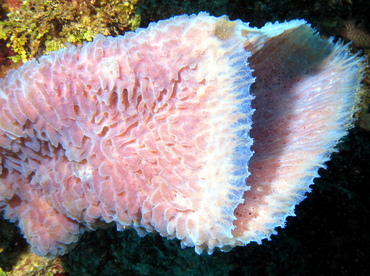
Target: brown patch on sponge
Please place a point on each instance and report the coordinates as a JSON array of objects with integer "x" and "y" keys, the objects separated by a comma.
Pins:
[{"x": 224, "y": 28}]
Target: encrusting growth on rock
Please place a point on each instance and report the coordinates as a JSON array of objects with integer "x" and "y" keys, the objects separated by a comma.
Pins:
[
  {"x": 47, "y": 25},
  {"x": 357, "y": 34}
]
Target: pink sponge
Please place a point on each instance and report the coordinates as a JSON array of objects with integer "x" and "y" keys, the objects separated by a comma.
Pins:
[{"x": 154, "y": 131}]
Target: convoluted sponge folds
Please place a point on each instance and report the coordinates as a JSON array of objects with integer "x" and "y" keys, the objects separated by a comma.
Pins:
[{"x": 198, "y": 128}]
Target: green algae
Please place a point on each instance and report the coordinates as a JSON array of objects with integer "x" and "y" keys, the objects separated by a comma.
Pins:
[{"x": 38, "y": 27}]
